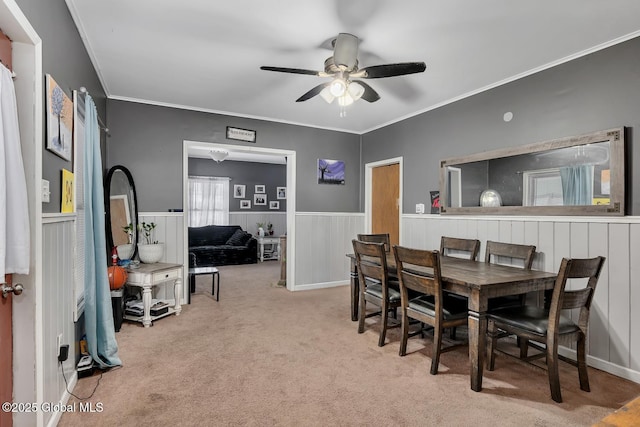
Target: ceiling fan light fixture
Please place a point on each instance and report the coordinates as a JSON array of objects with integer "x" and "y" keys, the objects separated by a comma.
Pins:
[
  {"x": 326, "y": 95},
  {"x": 355, "y": 90},
  {"x": 338, "y": 87},
  {"x": 345, "y": 100},
  {"x": 218, "y": 155}
]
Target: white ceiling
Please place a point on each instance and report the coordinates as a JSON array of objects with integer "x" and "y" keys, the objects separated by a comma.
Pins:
[{"x": 205, "y": 55}]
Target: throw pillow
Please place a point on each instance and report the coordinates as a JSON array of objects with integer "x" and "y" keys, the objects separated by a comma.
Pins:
[
  {"x": 245, "y": 238},
  {"x": 236, "y": 238}
]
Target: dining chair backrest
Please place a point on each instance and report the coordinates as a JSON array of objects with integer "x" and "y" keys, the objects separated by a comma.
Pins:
[
  {"x": 455, "y": 245},
  {"x": 376, "y": 238},
  {"x": 371, "y": 262},
  {"x": 410, "y": 264},
  {"x": 525, "y": 253},
  {"x": 563, "y": 299}
]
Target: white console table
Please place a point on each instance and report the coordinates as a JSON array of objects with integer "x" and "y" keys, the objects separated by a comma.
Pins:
[
  {"x": 146, "y": 277},
  {"x": 274, "y": 245}
]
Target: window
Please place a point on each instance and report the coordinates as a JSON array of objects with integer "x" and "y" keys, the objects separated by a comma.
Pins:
[
  {"x": 542, "y": 188},
  {"x": 208, "y": 201}
]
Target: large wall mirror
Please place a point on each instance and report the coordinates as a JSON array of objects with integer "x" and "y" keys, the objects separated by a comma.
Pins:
[
  {"x": 121, "y": 206},
  {"x": 581, "y": 175}
]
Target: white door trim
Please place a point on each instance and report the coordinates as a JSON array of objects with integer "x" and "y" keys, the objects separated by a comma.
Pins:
[
  {"x": 291, "y": 196},
  {"x": 368, "y": 177}
]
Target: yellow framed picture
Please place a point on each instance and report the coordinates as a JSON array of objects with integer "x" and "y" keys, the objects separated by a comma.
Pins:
[{"x": 67, "y": 191}]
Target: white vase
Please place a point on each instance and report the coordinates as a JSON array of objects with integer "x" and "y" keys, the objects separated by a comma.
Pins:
[
  {"x": 125, "y": 251},
  {"x": 150, "y": 253}
]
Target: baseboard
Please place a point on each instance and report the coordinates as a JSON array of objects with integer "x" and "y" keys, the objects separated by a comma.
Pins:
[
  {"x": 603, "y": 365},
  {"x": 323, "y": 285},
  {"x": 55, "y": 418}
]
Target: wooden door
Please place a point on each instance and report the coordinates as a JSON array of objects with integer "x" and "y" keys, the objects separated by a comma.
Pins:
[
  {"x": 6, "y": 355},
  {"x": 385, "y": 195}
]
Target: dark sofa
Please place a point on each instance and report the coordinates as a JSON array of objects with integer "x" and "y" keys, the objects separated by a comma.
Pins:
[{"x": 214, "y": 245}]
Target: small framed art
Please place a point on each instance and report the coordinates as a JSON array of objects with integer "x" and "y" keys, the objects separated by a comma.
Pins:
[
  {"x": 245, "y": 204},
  {"x": 239, "y": 191},
  {"x": 260, "y": 199},
  {"x": 274, "y": 204},
  {"x": 281, "y": 192},
  {"x": 259, "y": 189}
]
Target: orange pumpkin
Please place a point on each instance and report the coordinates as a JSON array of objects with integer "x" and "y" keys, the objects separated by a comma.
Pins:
[{"x": 117, "y": 277}]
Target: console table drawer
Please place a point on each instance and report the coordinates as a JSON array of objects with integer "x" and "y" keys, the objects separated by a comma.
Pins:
[{"x": 166, "y": 275}]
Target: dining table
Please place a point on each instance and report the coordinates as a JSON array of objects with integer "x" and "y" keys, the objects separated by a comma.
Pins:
[{"x": 479, "y": 282}]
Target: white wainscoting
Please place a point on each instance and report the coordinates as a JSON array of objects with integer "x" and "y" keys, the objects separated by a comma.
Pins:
[
  {"x": 322, "y": 241},
  {"x": 614, "y": 344},
  {"x": 57, "y": 313},
  {"x": 249, "y": 221}
]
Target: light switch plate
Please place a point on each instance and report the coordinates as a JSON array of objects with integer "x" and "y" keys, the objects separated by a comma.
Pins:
[
  {"x": 45, "y": 191},
  {"x": 420, "y": 208}
]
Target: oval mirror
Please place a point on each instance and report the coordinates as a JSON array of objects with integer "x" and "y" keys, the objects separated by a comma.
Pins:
[{"x": 121, "y": 206}]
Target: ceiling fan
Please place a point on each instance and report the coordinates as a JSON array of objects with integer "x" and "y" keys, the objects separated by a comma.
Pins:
[{"x": 343, "y": 69}]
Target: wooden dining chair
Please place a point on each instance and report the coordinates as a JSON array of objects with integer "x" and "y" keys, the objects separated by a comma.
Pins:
[
  {"x": 499, "y": 252},
  {"x": 429, "y": 306},
  {"x": 373, "y": 274},
  {"x": 550, "y": 326},
  {"x": 453, "y": 245},
  {"x": 377, "y": 238}
]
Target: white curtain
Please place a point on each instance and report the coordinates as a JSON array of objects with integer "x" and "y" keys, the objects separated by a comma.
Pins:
[
  {"x": 208, "y": 201},
  {"x": 14, "y": 210}
]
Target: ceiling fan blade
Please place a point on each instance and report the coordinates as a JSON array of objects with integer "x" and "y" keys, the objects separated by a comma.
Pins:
[
  {"x": 369, "y": 95},
  {"x": 313, "y": 92},
  {"x": 390, "y": 70},
  {"x": 292, "y": 70}
]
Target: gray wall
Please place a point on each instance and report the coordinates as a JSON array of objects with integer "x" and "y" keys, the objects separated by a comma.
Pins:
[
  {"x": 148, "y": 140},
  {"x": 65, "y": 58},
  {"x": 248, "y": 174},
  {"x": 595, "y": 92}
]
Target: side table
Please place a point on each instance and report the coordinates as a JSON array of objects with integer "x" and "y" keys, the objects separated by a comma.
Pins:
[
  {"x": 146, "y": 277},
  {"x": 215, "y": 274},
  {"x": 274, "y": 243}
]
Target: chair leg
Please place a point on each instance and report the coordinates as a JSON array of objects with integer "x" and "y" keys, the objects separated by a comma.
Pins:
[
  {"x": 582, "y": 364},
  {"x": 491, "y": 343},
  {"x": 405, "y": 332},
  {"x": 437, "y": 343},
  {"x": 384, "y": 320},
  {"x": 452, "y": 333},
  {"x": 524, "y": 347},
  {"x": 362, "y": 313},
  {"x": 552, "y": 370}
]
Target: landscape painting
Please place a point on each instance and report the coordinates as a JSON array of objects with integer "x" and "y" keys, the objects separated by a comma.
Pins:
[{"x": 330, "y": 171}]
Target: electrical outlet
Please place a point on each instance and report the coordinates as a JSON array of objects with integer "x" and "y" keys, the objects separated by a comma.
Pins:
[{"x": 58, "y": 344}]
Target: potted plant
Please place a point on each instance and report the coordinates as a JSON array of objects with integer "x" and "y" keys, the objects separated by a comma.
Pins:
[
  {"x": 261, "y": 227},
  {"x": 270, "y": 229},
  {"x": 151, "y": 250},
  {"x": 125, "y": 251}
]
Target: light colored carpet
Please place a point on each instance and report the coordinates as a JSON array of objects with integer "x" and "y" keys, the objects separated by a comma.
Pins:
[{"x": 264, "y": 356}]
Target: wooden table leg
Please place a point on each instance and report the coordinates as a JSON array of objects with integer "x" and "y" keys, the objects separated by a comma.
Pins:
[
  {"x": 146, "y": 304},
  {"x": 477, "y": 306},
  {"x": 355, "y": 290}
]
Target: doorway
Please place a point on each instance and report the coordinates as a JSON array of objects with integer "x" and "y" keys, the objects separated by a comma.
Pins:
[
  {"x": 383, "y": 198},
  {"x": 194, "y": 146}
]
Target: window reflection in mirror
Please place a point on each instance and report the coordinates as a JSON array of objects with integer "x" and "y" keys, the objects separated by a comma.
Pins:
[{"x": 570, "y": 176}]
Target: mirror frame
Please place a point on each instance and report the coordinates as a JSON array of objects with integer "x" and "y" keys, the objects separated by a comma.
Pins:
[
  {"x": 107, "y": 208},
  {"x": 616, "y": 206}
]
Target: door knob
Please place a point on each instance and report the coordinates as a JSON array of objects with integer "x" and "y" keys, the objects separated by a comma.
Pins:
[{"x": 17, "y": 289}]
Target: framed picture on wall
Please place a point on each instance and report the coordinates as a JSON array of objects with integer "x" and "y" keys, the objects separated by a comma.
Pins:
[
  {"x": 59, "y": 120},
  {"x": 245, "y": 204},
  {"x": 281, "y": 192},
  {"x": 239, "y": 191},
  {"x": 260, "y": 199},
  {"x": 274, "y": 205},
  {"x": 259, "y": 189},
  {"x": 330, "y": 171}
]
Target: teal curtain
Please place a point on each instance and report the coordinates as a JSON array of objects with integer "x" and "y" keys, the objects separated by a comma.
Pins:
[
  {"x": 98, "y": 315},
  {"x": 577, "y": 185}
]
